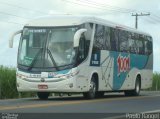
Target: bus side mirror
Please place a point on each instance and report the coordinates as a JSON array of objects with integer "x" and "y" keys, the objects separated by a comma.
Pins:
[
  {"x": 77, "y": 37},
  {"x": 12, "y": 38}
]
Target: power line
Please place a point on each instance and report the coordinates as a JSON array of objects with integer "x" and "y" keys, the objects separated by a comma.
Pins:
[
  {"x": 109, "y": 6},
  {"x": 155, "y": 17},
  {"x": 155, "y": 20},
  {"x": 8, "y": 14},
  {"x": 149, "y": 20},
  {"x": 120, "y": 9},
  {"x": 24, "y": 8},
  {"x": 95, "y": 6},
  {"x": 10, "y": 22},
  {"x": 13, "y": 15}
]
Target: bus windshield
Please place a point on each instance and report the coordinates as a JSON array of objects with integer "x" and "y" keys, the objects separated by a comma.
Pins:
[{"x": 47, "y": 47}]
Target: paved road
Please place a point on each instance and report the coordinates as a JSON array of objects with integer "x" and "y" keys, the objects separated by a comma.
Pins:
[{"x": 112, "y": 104}]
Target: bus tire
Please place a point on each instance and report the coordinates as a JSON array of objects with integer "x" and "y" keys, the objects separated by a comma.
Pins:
[
  {"x": 136, "y": 90},
  {"x": 43, "y": 95},
  {"x": 91, "y": 94}
]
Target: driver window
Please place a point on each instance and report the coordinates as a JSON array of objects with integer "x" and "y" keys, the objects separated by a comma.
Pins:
[
  {"x": 23, "y": 52},
  {"x": 81, "y": 48}
]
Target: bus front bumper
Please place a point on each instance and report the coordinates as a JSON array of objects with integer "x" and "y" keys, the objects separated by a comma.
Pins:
[{"x": 54, "y": 85}]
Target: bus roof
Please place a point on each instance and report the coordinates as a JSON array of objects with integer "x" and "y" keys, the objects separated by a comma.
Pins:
[{"x": 70, "y": 20}]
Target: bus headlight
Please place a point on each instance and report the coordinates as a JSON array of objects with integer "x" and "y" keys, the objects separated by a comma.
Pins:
[
  {"x": 20, "y": 76},
  {"x": 69, "y": 75},
  {"x": 17, "y": 84}
]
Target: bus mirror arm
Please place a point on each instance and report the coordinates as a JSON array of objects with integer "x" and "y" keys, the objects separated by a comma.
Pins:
[
  {"x": 77, "y": 36},
  {"x": 12, "y": 38}
]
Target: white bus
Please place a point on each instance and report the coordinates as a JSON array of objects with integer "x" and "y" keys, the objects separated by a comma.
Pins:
[{"x": 66, "y": 54}]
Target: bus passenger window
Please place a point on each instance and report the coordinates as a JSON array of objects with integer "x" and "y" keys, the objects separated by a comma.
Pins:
[
  {"x": 140, "y": 47},
  {"x": 123, "y": 41},
  {"x": 114, "y": 39},
  {"x": 148, "y": 47},
  {"x": 132, "y": 46},
  {"x": 102, "y": 38},
  {"x": 99, "y": 40},
  {"x": 107, "y": 38}
]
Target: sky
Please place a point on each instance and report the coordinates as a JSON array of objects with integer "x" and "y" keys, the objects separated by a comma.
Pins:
[{"x": 14, "y": 14}]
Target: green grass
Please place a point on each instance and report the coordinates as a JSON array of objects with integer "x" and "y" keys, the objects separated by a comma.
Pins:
[{"x": 8, "y": 84}]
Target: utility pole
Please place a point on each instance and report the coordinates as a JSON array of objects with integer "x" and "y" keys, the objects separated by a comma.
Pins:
[{"x": 137, "y": 15}]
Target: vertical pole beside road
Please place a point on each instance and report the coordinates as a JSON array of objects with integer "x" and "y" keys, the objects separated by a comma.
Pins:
[{"x": 136, "y": 20}]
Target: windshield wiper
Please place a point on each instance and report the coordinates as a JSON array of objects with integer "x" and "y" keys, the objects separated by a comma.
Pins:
[
  {"x": 53, "y": 61},
  {"x": 33, "y": 62}
]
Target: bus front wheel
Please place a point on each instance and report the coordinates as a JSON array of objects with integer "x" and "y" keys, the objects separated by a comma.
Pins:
[
  {"x": 92, "y": 91},
  {"x": 43, "y": 95}
]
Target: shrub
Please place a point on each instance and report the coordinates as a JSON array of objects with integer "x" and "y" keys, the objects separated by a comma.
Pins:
[
  {"x": 156, "y": 82},
  {"x": 8, "y": 82}
]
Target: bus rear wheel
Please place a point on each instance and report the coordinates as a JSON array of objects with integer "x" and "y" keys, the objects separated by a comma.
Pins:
[
  {"x": 136, "y": 90},
  {"x": 43, "y": 95},
  {"x": 91, "y": 94}
]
